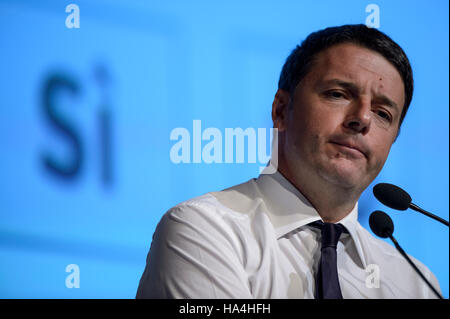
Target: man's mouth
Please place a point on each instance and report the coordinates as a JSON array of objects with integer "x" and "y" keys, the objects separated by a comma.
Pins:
[{"x": 351, "y": 148}]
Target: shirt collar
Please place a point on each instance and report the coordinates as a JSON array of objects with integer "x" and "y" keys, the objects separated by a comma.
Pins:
[{"x": 288, "y": 209}]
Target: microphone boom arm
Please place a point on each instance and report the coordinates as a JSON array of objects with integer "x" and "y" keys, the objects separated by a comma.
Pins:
[
  {"x": 420, "y": 210},
  {"x": 414, "y": 266}
]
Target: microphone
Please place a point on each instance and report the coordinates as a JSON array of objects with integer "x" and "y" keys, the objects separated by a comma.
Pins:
[
  {"x": 382, "y": 226},
  {"x": 396, "y": 198}
]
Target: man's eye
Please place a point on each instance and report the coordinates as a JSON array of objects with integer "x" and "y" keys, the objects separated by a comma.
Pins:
[
  {"x": 335, "y": 94},
  {"x": 384, "y": 115}
]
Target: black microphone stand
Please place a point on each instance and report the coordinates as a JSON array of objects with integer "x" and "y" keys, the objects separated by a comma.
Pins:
[
  {"x": 420, "y": 210},
  {"x": 413, "y": 265}
]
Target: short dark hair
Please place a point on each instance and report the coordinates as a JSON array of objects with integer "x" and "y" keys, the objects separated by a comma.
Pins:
[{"x": 298, "y": 63}]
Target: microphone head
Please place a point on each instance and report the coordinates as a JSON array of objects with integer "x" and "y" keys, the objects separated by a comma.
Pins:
[
  {"x": 381, "y": 224},
  {"x": 392, "y": 196}
]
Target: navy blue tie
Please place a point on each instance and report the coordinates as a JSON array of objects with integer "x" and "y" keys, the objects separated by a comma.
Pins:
[{"x": 327, "y": 281}]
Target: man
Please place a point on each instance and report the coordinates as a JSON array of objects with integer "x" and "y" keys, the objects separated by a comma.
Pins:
[{"x": 342, "y": 97}]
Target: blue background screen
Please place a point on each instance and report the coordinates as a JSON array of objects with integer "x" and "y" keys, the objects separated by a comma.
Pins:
[{"x": 86, "y": 116}]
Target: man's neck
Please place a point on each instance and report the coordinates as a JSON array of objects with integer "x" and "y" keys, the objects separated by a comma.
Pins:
[{"x": 332, "y": 203}]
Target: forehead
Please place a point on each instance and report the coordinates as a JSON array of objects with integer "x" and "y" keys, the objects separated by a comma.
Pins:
[{"x": 359, "y": 65}]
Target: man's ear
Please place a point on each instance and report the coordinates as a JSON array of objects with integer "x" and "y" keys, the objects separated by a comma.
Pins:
[{"x": 279, "y": 109}]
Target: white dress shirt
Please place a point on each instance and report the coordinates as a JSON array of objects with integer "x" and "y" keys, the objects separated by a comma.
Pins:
[{"x": 252, "y": 241}]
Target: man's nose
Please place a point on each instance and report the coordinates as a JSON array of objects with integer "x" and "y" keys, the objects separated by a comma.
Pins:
[{"x": 359, "y": 117}]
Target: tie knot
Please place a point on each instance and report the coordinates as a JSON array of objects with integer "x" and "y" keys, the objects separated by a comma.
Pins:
[{"x": 330, "y": 233}]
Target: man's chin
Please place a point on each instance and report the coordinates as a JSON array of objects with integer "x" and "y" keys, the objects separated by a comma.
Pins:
[{"x": 345, "y": 177}]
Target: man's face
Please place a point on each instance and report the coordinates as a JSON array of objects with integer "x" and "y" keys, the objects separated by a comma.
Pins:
[{"x": 343, "y": 117}]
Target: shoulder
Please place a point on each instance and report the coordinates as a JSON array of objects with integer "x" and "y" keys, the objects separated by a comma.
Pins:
[
  {"x": 225, "y": 214},
  {"x": 198, "y": 249},
  {"x": 237, "y": 202}
]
